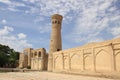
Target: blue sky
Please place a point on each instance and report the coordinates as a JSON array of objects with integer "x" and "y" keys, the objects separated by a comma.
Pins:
[{"x": 27, "y": 23}]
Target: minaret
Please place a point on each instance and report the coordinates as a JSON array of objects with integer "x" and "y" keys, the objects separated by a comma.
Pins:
[{"x": 55, "y": 42}]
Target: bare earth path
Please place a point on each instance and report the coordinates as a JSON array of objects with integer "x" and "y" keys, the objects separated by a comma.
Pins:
[{"x": 45, "y": 76}]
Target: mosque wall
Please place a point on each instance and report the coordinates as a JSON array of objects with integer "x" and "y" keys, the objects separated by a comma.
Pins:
[{"x": 97, "y": 57}]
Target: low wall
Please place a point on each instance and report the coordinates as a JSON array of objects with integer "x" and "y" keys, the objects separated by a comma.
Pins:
[
  {"x": 93, "y": 57},
  {"x": 16, "y": 70}
]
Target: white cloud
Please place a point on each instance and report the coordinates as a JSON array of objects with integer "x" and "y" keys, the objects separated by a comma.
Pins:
[
  {"x": 12, "y": 5},
  {"x": 45, "y": 29},
  {"x": 32, "y": 1},
  {"x": 39, "y": 19},
  {"x": 91, "y": 16},
  {"x": 6, "y": 1},
  {"x": 96, "y": 39},
  {"x": 6, "y": 30},
  {"x": 105, "y": 5},
  {"x": 21, "y": 36},
  {"x": 56, "y": 6},
  {"x": 18, "y": 4},
  {"x": 71, "y": 9},
  {"x": 93, "y": 19},
  {"x": 4, "y": 21},
  {"x": 12, "y": 9},
  {"x": 115, "y": 31},
  {"x": 17, "y": 43},
  {"x": 48, "y": 7}
]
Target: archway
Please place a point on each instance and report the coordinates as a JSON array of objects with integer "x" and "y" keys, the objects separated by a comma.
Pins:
[
  {"x": 75, "y": 62},
  {"x": 117, "y": 60},
  {"x": 88, "y": 62},
  {"x": 66, "y": 63},
  {"x": 103, "y": 61},
  {"x": 58, "y": 63}
]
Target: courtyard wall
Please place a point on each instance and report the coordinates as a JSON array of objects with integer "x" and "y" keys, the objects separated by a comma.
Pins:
[{"x": 95, "y": 57}]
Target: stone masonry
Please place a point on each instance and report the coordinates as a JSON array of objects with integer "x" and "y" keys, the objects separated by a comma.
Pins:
[
  {"x": 55, "y": 42},
  {"x": 36, "y": 59},
  {"x": 92, "y": 57},
  {"x": 95, "y": 57}
]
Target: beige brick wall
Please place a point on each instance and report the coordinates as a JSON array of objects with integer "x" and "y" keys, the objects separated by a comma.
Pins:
[
  {"x": 97, "y": 57},
  {"x": 38, "y": 59},
  {"x": 23, "y": 60}
]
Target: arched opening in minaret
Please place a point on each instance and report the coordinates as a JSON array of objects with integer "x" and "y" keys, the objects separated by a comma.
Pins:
[
  {"x": 58, "y": 49},
  {"x": 55, "y": 21}
]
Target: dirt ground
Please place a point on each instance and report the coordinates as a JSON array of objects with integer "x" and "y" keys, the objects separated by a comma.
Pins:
[{"x": 45, "y": 76}]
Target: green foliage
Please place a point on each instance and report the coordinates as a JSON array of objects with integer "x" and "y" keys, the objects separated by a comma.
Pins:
[{"x": 8, "y": 56}]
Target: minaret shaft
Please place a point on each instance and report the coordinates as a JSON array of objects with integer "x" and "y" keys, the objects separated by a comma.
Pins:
[{"x": 56, "y": 41}]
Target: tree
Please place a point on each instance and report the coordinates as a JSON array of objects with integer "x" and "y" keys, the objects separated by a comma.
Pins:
[
  {"x": 8, "y": 56},
  {"x": 14, "y": 56}
]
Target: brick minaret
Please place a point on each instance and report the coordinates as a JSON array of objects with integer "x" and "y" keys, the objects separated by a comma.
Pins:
[{"x": 55, "y": 42}]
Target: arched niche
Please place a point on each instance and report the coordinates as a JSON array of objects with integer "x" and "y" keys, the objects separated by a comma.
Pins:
[
  {"x": 88, "y": 62},
  {"x": 39, "y": 54},
  {"x": 58, "y": 62},
  {"x": 103, "y": 61},
  {"x": 75, "y": 62},
  {"x": 117, "y": 61},
  {"x": 32, "y": 55},
  {"x": 35, "y": 54},
  {"x": 66, "y": 63}
]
